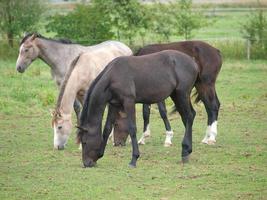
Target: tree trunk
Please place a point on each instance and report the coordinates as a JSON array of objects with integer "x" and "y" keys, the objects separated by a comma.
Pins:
[{"x": 10, "y": 38}]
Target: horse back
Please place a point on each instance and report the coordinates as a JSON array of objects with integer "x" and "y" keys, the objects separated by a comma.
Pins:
[
  {"x": 206, "y": 56},
  {"x": 145, "y": 77}
]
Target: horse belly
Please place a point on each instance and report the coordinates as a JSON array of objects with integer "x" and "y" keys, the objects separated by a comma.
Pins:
[{"x": 153, "y": 93}]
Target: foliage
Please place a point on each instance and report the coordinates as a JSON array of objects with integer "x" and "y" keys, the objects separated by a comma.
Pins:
[
  {"x": 161, "y": 20},
  {"x": 255, "y": 29},
  {"x": 18, "y": 16},
  {"x": 86, "y": 24},
  {"x": 127, "y": 17},
  {"x": 187, "y": 20}
]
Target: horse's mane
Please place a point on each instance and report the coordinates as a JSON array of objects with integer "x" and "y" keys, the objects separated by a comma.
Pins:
[
  {"x": 63, "y": 86},
  {"x": 38, "y": 35},
  {"x": 83, "y": 116},
  {"x": 65, "y": 81}
]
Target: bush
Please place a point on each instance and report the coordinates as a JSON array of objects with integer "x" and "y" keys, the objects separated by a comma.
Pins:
[{"x": 85, "y": 25}]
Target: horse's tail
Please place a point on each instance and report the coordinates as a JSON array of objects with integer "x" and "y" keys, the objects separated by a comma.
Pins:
[
  {"x": 205, "y": 78},
  {"x": 197, "y": 96}
]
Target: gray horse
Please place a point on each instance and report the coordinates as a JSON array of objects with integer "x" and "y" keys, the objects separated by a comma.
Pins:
[{"x": 57, "y": 54}]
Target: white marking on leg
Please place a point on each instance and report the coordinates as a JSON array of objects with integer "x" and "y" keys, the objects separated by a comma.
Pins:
[
  {"x": 168, "y": 139},
  {"x": 80, "y": 146},
  {"x": 205, "y": 139},
  {"x": 111, "y": 137},
  {"x": 213, "y": 133},
  {"x": 145, "y": 135}
]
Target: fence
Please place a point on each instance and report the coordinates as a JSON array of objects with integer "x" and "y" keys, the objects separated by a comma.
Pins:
[{"x": 232, "y": 48}]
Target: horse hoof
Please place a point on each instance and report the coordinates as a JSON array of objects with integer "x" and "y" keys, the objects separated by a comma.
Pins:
[
  {"x": 132, "y": 165},
  {"x": 141, "y": 142},
  {"x": 167, "y": 144},
  {"x": 211, "y": 142},
  {"x": 204, "y": 141},
  {"x": 185, "y": 159}
]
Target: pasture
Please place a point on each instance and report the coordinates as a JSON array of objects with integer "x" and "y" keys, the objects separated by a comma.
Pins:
[{"x": 234, "y": 168}]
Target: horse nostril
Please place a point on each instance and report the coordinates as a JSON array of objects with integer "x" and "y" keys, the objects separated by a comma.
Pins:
[{"x": 19, "y": 68}]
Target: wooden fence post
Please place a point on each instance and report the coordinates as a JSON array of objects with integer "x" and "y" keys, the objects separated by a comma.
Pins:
[{"x": 248, "y": 49}]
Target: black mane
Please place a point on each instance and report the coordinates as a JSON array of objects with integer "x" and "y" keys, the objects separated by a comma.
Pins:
[
  {"x": 38, "y": 35},
  {"x": 83, "y": 116}
]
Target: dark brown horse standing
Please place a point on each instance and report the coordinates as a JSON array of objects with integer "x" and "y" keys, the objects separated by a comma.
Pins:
[
  {"x": 209, "y": 63},
  {"x": 136, "y": 79}
]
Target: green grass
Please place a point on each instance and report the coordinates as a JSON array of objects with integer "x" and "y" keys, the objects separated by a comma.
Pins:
[{"x": 235, "y": 168}]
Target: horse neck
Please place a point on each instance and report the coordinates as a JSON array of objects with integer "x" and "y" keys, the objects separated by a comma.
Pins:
[
  {"x": 95, "y": 108},
  {"x": 69, "y": 94},
  {"x": 58, "y": 55}
]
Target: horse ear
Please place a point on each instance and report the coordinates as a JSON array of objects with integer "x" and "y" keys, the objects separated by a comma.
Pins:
[
  {"x": 34, "y": 35},
  {"x": 52, "y": 112}
]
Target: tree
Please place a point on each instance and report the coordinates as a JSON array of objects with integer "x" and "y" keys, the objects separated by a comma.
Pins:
[
  {"x": 86, "y": 24},
  {"x": 18, "y": 16},
  {"x": 255, "y": 28},
  {"x": 127, "y": 17},
  {"x": 162, "y": 20},
  {"x": 187, "y": 20}
]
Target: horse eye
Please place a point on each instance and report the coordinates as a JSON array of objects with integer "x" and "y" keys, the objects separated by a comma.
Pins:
[
  {"x": 60, "y": 127},
  {"x": 26, "y": 50}
]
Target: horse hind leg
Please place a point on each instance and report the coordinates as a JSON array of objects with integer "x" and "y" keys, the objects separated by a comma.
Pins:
[
  {"x": 212, "y": 106},
  {"x": 169, "y": 132},
  {"x": 146, "y": 131},
  {"x": 184, "y": 107}
]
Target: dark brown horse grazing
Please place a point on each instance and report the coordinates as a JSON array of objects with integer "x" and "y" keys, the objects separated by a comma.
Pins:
[
  {"x": 209, "y": 63},
  {"x": 136, "y": 79}
]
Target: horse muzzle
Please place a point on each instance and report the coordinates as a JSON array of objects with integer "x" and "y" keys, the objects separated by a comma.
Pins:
[
  {"x": 20, "y": 69},
  {"x": 89, "y": 163}
]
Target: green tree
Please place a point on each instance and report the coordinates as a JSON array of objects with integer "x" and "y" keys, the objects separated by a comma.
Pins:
[
  {"x": 161, "y": 20},
  {"x": 187, "y": 19},
  {"x": 127, "y": 17},
  {"x": 18, "y": 16},
  {"x": 255, "y": 28},
  {"x": 85, "y": 24}
]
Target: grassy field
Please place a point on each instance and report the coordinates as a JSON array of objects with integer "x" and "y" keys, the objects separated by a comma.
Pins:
[{"x": 235, "y": 168}]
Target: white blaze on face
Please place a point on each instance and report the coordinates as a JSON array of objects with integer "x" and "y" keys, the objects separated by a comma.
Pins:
[
  {"x": 20, "y": 49},
  {"x": 60, "y": 139}
]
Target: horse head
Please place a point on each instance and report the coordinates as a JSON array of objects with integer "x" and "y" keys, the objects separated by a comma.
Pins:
[
  {"x": 62, "y": 128},
  {"x": 91, "y": 145},
  {"x": 28, "y": 52}
]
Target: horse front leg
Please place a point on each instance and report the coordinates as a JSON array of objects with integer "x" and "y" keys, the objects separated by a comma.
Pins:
[
  {"x": 169, "y": 132},
  {"x": 77, "y": 109},
  {"x": 108, "y": 128},
  {"x": 184, "y": 107},
  {"x": 129, "y": 108},
  {"x": 146, "y": 130}
]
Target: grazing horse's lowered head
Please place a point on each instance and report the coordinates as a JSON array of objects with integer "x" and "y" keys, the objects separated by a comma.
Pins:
[
  {"x": 62, "y": 128},
  {"x": 28, "y": 52}
]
